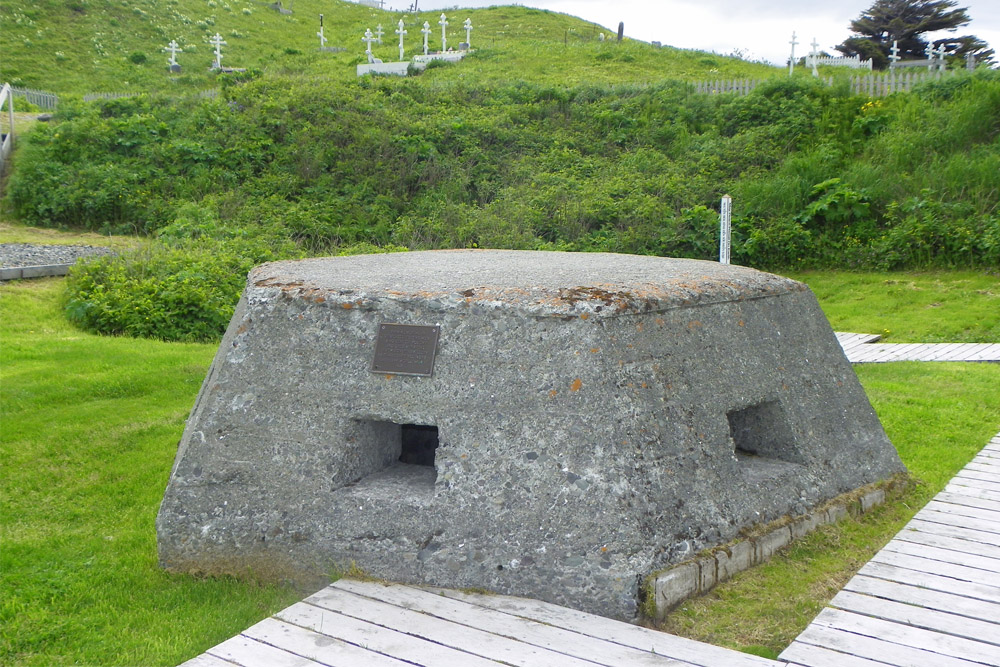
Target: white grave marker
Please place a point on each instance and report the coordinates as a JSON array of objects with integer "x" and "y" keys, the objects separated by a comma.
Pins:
[
  {"x": 427, "y": 32},
  {"x": 940, "y": 55},
  {"x": 814, "y": 56},
  {"x": 378, "y": 33},
  {"x": 401, "y": 32},
  {"x": 468, "y": 32},
  {"x": 322, "y": 37},
  {"x": 444, "y": 37},
  {"x": 173, "y": 47},
  {"x": 725, "y": 228},
  {"x": 894, "y": 56},
  {"x": 791, "y": 58},
  {"x": 218, "y": 43},
  {"x": 368, "y": 39}
]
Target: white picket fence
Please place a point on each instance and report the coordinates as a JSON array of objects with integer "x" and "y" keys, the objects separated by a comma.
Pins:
[
  {"x": 872, "y": 85},
  {"x": 39, "y": 98}
]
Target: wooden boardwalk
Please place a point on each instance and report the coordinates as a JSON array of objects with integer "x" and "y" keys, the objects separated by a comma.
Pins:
[
  {"x": 362, "y": 624},
  {"x": 931, "y": 597},
  {"x": 863, "y": 349}
]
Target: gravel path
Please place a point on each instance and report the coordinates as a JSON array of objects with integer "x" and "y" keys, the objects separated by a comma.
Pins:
[{"x": 28, "y": 254}]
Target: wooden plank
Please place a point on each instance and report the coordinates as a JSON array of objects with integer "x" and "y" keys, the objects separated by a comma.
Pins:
[
  {"x": 947, "y": 542},
  {"x": 206, "y": 660},
  {"x": 985, "y": 464},
  {"x": 611, "y": 630},
  {"x": 976, "y": 480},
  {"x": 378, "y": 638},
  {"x": 918, "y": 617},
  {"x": 932, "y": 581},
  {"x": 521, "y": 630},
  {"x": 946, "y": 556},
  {"x": 809, "y": 655},
  {"x": 316, "y": 645},
  {"x": 247, "y": 652},
  {"x": 989, "y": 476},
  {"x": 970, "y": 574},
  {"x": 971, "y": 512},
  {"x": 929, "y": 599},
  {"x": 961, "y": 489},
  {"x": 951, "y": 518},
  {"x": 897, "y": 633},
  {"x": 880, "y": 649},
  {"x": 969, "y": 499},
  {"x": 956, "y": 531}
]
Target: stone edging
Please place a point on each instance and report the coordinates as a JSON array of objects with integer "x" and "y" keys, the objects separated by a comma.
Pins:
[
  {"x": 699, "y": 575},
  {"x": 43, "y": 271}
]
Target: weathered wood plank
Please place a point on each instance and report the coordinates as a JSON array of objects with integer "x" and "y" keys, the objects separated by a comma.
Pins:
[
  {"x": 985, "y": 464},
  {"x": 809, "y": 655},
  {"x": 247, "y": 652},
  {"x": 952, "y": 543},
  {"x": 316, "y": 646},
  {"x": 970, "y": 479},
  {"x": 946, "y": 556},
  {"x": 987, "y": 592},
  {"x": 945, "y": 645},
  {"x": 988, "y": 476},
  {"x": 875, "y": 648},
  {"x": 977, "y": 536},
  {"x": 989, "y": 516},
  {"x": 972, "y": 492},
  {"x": 954, "y": 519},
  {"x": 206, "y": 660},
  {"x": 627, "y": 634},
  {"x": 970, "y": 499},
  {"x": 923, "y": 597},
  {"x": 471, "y": 640},
  {"x": 378, "y": 638},
  {"x": 522, "y": 630},
  {"x": 930, "y": 566},
  {"x": 918, "y": 617}
]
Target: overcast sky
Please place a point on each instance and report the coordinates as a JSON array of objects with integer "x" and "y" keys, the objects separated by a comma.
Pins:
[{"x": 760, "y": 29}]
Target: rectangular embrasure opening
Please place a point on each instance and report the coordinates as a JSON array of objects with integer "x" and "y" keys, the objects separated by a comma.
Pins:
[
  {"x": 761, "y": 433},
  {"x": 418, "y": 444}
]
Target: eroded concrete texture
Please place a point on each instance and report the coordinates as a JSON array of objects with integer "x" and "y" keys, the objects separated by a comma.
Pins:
[{"x": 599, "y": 417}]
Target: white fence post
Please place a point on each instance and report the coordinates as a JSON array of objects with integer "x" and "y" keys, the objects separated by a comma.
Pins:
[{"x": 725, "y": 228}]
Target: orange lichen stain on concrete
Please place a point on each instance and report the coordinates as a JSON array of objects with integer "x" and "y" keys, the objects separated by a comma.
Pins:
[
  {"x": 577, "y": 383},
  {"x": 660, "y": 322},
  {"x": 347, "y": 305},
  {"x": 595, "y": 350},
  {"x": 741, "y": 323},
  {"x": 584, "y": 316},
  {"x": 242, "y": 329},
  {"x": 695, "y": 324},
  {"x": 389, "y": 376},
  {"x": 784, "y": 386},
  {"x": 644, "y": 385},
  {"x": 638, "y": 326},
  {"x": 553, "y": 393}
]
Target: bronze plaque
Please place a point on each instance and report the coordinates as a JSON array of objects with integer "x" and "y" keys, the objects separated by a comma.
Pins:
[{"x": 405, "y": 349}]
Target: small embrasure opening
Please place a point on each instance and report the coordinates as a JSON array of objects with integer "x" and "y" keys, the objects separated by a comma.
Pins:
[
  {"x": 418, "y": 443},
  {"x": 762, "y": 432}
]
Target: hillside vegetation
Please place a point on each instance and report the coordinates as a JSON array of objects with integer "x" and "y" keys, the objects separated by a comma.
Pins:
[{"x": 589, "y": 148}]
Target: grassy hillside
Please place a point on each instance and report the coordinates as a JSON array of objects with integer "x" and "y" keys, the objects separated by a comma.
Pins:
[{"x": 86, "y": 46}]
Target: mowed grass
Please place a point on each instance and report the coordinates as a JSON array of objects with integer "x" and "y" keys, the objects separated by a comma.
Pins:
[{"x": 89, "y": 432}]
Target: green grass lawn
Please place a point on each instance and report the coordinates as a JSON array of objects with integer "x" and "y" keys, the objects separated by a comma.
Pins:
[{"x": 89, "y": 432}]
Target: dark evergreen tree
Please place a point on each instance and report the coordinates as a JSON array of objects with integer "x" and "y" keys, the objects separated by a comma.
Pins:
[{"x": 906, "y": 22}]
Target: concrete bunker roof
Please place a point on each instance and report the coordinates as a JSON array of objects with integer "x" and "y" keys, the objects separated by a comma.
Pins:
[{"x": 542, "y": 283}]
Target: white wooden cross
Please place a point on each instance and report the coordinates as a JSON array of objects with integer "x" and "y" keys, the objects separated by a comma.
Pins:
[
  {"x": 894, "y": 57},
  {"x": 929, "y": 52},
  {"x": 791, "y": 58},
  {"x": 378, "y": 33},
  {"x": 401, "y": 32},
  {"x": 814, "y": 56},
  {"x": 173, "y": 47},
  {"x": 368, "y": 39},
  {"x": 322, "y": 37},
  {"x": 427, "y": 31},
  {"x": 217, "y": 42},
  {"x": 940, "y": 55},
  {"x": 468, "y": 33},
  {"x": 444, "y": 37}
]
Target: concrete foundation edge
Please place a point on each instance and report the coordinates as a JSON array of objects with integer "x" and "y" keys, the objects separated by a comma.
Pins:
[
  {"x": 696, "y": 576},
  {"x": 44, "y": 271}
]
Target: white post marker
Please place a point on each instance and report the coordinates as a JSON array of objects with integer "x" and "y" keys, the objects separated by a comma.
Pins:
[
  {"x": 217, "y": 42},
  {"x": 368, "y": 39},
  {"x": 940, "y": 55},
  {"x": 378, "y": 33},
  {"x": 427, "y": 32},
  {"x": 929, "y": 52},
  {"x": 725, "y": 228},
  {"x": 791, "y": 58},
  {"x": 322, "y": 37},
  {"x": 173, "y": 47},
  {"x": 814, "y": 56},
  {"x": 894, "y": 55},
  {"x": 468, "y": 33},
  {"x": 444, "y": 37},
  {"x": 401, "y": 32}
]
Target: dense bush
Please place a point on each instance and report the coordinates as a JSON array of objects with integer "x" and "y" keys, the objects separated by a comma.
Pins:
[{"x": 282, "y": 167}]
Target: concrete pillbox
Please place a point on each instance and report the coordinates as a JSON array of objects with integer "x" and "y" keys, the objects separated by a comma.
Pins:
[{"x": 588, "y": 419}]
